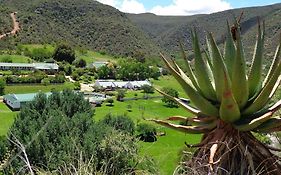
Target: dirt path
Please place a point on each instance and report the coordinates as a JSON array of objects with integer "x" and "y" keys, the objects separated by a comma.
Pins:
[{"x": 16, "y": 26}]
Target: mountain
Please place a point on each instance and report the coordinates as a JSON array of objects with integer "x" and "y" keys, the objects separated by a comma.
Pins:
[
  {"x": 84, "y": 23},
  {"x": 168, "y": 30}
]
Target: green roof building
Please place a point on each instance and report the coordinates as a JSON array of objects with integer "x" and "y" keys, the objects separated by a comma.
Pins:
[{"x": 16, "y": 101}]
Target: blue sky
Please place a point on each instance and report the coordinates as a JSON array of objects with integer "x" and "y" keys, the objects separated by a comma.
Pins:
[{"x": 182, "y": 7}]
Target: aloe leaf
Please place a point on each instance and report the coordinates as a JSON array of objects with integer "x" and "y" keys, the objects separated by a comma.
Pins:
[
  {"x": 229, "y": 51},
  {"x": 255, "y": 74},
  {"x": 266, "y": 93},
  {"x": 270, "y": 125},
  {"x": 201, "y": 70},
  {"x": 218, "y": 67},
  {"x": 249, "y": 125},
  {"x": 187, "y": 107},
  {"x": 190, "y": 74},
  {"x": 274, "y": 64},
  {"x": 229, "y": 109},
  {"x": 199, "y": 101},
  {"x": 239, "y": 78},
  {"x": 183, "y": 75},
  {"x": 186, "y": 129}
]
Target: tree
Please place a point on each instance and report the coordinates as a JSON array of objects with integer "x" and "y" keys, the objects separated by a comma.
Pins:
[
  {"x": 229, "y": 107},
  {"x": 2, "y": 86},
  {"x": 120, "y": 94},
  {"x": 172, "y": 92},
  {"x": 64, "y": 52},
  {"x": 147, "y": 89},
  {"x": 80, "y": 63}
]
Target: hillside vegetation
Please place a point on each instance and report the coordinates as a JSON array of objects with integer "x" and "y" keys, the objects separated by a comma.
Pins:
[
  {"x": 168, "y": 30},
  {"x": 80, "y": 23}
]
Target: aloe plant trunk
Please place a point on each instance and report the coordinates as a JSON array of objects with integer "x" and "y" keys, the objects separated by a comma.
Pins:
[{"x": 228, "y": 105}]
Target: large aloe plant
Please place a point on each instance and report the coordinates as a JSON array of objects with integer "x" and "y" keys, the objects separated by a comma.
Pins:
[{"x": 229, "y": 104}]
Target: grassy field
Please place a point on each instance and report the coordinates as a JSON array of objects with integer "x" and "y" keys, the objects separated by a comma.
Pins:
[
  {"x": 6, "y": 118},
  {"x": 19, "y": 89},
  {"x": 167, "y": 149},
  {"x": 46, "y": 47},
  {"x": 15, "y": 58},
  {"x": 88, "y": 56}
]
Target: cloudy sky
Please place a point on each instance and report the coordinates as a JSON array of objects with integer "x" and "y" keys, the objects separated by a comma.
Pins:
[{"x": 182, "y": 7}]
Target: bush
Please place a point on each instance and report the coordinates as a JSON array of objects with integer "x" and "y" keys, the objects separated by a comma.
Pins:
[
  {"x": 77, "y": 86},
  {"x": 121, "y": 123},
  {"x": 3, "y": 147},
  {"x": 120, "y": 94},
  {"x": 110, "y": 101},
  {"x": 2, "y": 86},
  {"x": 172, "y": 92},
  {"x": 147, "y": 89},
  {"x": 146, "y": 132},
  {"x": 80, "y": 63},
  {"x": 45, "y": 81}
]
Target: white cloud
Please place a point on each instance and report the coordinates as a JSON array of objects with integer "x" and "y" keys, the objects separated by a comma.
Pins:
[
  {"x": 112, "y": 3},
  {"x": 177, "y": 7},
  {"x": 132, "y": 6},
  {"x": 128, "y": 6},
  {"x": 190, "y": 7}
]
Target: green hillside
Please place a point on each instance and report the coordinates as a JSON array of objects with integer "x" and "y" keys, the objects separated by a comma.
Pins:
[
  {"x": 84, "y": 23},
  {"x": 168, "y": 30}
]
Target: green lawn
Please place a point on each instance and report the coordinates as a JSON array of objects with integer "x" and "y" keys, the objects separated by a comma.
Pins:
[
  {"x": 88, "y": 56},
  {"x": 167, "y": 149},
  {"x": 15, "y": 58},
  {"x": 47, "y": 47},
  {"x": 169, "y": 81},
  {"x": 6, "y": 118},
  {"x": 32, "y": 88}
]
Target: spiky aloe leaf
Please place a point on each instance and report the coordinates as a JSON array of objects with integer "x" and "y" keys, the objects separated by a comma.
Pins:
[
  {"x": 183, "y": 75},
  {"x": 201, "y": 70},
  {"x": 239, "y": 78},
  {"x": 187, "y": 129},
  {"x": 249, "y": 125},
  {"x": 266, "y": 93},
  {"x": 187, "y": 107},
  {"x": 192, "y": 121},
  {"x": 229, "y": 109},
  {"x": 255, "y": 74},
  {"x": 189, "y": 70},
  {"x": 199, "y": 101},
  {"x": 270, "y": 125},
  {"x": 218, "y": 66},
  {"x": 274, "y": 64},
  {"x": 229, "y": 51}
]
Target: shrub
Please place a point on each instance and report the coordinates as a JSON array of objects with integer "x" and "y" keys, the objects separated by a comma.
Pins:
[
  {"x": 110, "y": 101},
  {"x": 45, "y": 81},
  {"x": 2, "y": 86},
  {"x": 80, "y": 63},
  {"x": 146, "y": 132},
  {"x": 172, "y": 92},
  {"x": 121, "y": 123},
  {"x": 147, "y": 89},
  {"x": 120, "y": 94}
]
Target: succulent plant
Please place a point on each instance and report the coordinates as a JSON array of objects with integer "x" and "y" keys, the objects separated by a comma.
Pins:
[{"x": 228, "y": 104}]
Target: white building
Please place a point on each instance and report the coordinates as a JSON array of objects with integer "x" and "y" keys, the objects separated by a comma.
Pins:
[
  {"x": 29, "y": 66},
  {"x": 112, "y": 84}
]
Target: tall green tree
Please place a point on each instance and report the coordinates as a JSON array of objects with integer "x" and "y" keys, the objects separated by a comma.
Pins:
[{"x": 64, "y": 52}]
